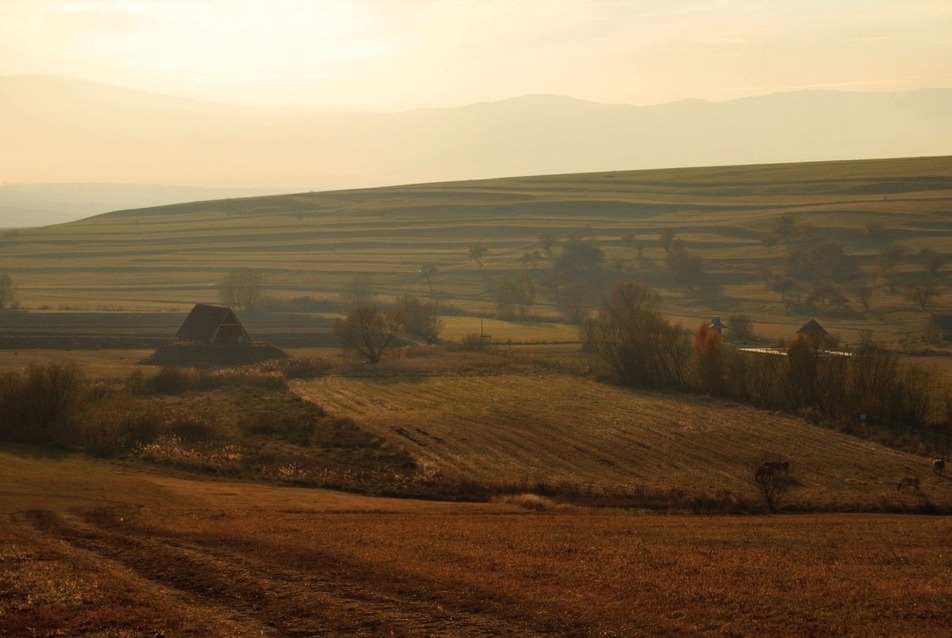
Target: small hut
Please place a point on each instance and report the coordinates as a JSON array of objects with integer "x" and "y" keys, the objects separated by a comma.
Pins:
[
  {"x": 212, "y": 325},
  {"x": 716, "y": 324},
  {"x": 812, "y": 329},
  {"x": 212, "y": 336}
]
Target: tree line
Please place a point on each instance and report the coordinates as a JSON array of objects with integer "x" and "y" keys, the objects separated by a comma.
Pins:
[{"x": 638, "y": 347}]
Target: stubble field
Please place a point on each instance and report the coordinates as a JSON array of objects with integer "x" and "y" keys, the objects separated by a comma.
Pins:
[
  {"x": 123, "y": 549},
  {"x": 94, "y": 550}
]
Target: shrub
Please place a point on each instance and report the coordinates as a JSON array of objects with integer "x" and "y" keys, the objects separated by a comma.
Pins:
[
  {"x": 40, "y": 407},
  {"x": 168, "y": 380}
]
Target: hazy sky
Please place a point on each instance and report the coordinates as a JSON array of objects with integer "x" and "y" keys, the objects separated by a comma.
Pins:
[{"x": 401, "y": 54}]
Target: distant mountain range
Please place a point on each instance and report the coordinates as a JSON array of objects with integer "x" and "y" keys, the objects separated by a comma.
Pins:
[{"x": 62, "y": 131}]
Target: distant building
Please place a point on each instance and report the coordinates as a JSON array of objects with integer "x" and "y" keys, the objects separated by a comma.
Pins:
[
  {"x": 716, "y": 324},
  {"x": 812, "y": 329},
  {"x": 212, "y": 325}
]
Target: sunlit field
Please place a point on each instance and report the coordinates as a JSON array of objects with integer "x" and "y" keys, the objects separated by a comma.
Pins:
[
  {"x": 492, "y": 482},
  {"x": 93, "y": 550},
  {"x": 316, "y": 244}
]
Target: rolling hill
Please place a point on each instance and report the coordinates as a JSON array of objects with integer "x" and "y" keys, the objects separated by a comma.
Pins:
[
  {"x": 317, "y": 244},
  {"x": 58, "y": 130}
]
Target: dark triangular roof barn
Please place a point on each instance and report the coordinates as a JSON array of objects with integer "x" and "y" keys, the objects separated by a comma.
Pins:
[
  {"x": 811, "y": 329},
  {"x": 212, "y": 324}
]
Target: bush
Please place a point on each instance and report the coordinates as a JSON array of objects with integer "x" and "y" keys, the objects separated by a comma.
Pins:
[
  {"x": 41, "y": 407},
  {"x": 168, "y": 380},
  {"x": 634, "y": 340}
]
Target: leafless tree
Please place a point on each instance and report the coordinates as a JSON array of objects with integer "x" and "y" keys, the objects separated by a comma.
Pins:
[
  {"x": 514, "y": 295},
  {"x": 666, "y": 238},
  {"x": 740, "y": 327},
  {"x": 772, "y": 485},
  {"x": 574, "y": 300},
  {"x": 366, "y": 331},
  {"x": 477, "y": 252},
  {"x": 922, "y": 292},
  {"x": 8, "y": 292},
  {"x": 360, "y": 292},
  {"x": 635, "y": 341},
  {"x": 417, "y": 318},
  {"x": 429, "y": 271},
  {"x": 241, "y": 289}
]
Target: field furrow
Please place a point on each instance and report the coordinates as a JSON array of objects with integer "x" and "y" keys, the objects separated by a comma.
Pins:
[{"x": 561, "y": 429}]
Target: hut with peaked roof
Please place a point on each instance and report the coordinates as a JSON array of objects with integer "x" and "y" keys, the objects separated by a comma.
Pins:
[
  {"x": 716, "y": 324},
  {"x": 212, "y": 325},
  {"x": 812, "y": 329}
]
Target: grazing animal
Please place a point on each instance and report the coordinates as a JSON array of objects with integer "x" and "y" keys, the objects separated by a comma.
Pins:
[
  {"x": 908, "y": 481},
  {"x": 938, "y": 466}
]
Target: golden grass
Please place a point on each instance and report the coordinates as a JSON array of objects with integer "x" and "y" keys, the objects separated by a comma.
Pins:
[
  {"x": 127, "y": 554},
  {"x": 537, "y": 428},
  {"x": 114, "y": 364},
  {"x": 315, "y": 244}
]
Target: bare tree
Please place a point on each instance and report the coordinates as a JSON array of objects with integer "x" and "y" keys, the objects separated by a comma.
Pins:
[
  {"x": 241, "y": 289},
  {"x": 740, "y": 327},
  {"x": 417, "y": 318},
  {"x": 634, "y": 243},
  {"x": 865, "y": 296},
  {"x": 932, "y": 260},
  {"x": 532, "y": 258},
  {"x": 513, "y": 293},
  {"x": 891, "y": 257},
  {"x": 666, "y": 238},
  {"x": 574, "y": 300},
  {"x": 772, "y": 485},
  {"x": 688, "y": 268},
  {"x": 921, "y": 293},
  {"x": 477, "y": 252},
  {"x": 360, "y": 292},
  {"x": 635, "y": 341},
  {"x": 428, "y": 271},
  {"x": 8, "y": 292},
  {"x": 366, "y": 331}
]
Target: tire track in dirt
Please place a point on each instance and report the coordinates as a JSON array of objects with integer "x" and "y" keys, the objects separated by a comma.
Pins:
[{"x": 252, "y": 591}]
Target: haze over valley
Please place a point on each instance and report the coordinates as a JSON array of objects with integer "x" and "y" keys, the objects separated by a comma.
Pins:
[{"x": 119, "y": 148}]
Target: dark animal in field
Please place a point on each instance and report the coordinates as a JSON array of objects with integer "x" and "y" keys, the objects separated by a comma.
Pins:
[
  {"x": 771, "y": 468},
  {"x": 938, "y": 466},
  {"x": 908, "y": 481}
]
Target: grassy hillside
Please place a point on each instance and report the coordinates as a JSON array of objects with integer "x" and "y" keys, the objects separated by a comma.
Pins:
[
  {"x": 316, "y": 244},
  {"x": 570, "y": 434}
]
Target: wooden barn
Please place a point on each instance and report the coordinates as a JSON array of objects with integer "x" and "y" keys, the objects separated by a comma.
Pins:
[
  {"x": 212, "y": 325},
  {"x": 812, "y": 329}
]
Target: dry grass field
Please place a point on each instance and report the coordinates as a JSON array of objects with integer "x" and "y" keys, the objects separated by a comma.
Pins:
[
  {"x": 315, "y": 244},
  {"x": 212, "y": 534},
  {"x": 93, "y": 550},
  {"x": 575, "y": 435}
]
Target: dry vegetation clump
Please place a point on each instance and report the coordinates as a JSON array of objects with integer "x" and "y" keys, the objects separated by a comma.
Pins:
[
  {"x": 237, "y": 422},
  {"x": 532, "y": 502}
]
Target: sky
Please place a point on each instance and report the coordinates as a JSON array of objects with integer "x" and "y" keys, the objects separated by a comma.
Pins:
[{"x": 393, "y": 55}]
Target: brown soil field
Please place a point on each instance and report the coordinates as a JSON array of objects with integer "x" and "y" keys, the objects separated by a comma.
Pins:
[{"x": 92, "y": 550}]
